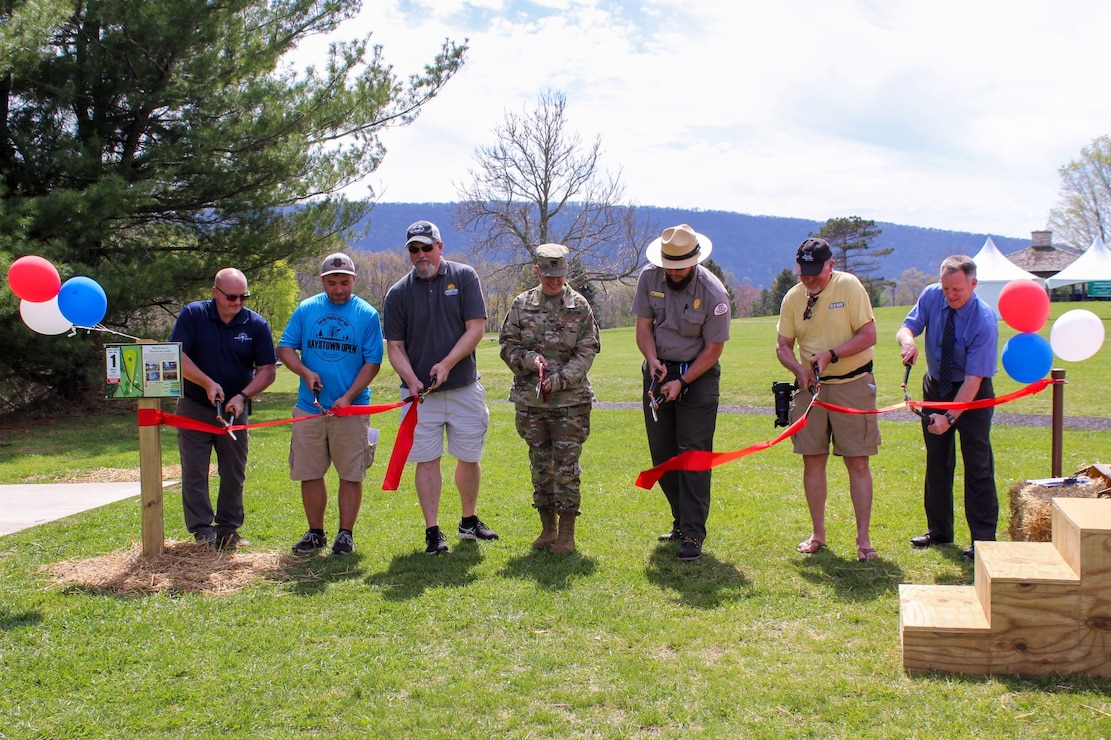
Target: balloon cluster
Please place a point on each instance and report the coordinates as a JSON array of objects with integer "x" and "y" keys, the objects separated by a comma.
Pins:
[
  {"x": 49, "y": 306},
  {"x": 1027, "y": 357}
]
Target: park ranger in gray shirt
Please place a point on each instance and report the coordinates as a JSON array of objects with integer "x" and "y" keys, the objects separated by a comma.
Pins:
[{"x": 683, "y": 314}]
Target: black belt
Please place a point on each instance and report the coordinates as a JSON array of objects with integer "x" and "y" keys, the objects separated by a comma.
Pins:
[{"x": 865, "y": 368}]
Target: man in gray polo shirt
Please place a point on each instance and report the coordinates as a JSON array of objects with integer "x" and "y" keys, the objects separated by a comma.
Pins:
[
  {"x": 682, "y": 325},
  {"x": 434, "y": 319}
]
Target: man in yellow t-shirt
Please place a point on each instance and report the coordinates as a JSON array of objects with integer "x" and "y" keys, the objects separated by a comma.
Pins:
[{"x": 829, "y": 315}]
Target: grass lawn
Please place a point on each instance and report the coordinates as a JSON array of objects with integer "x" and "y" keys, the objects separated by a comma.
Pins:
[{"x": 618, "y": 640}]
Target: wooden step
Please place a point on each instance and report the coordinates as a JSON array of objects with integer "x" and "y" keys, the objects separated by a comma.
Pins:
[
  {"x": 1025, "y": 583},
  {"x": 1082, "y": 534},
  {"x": 943, "y": 628}
]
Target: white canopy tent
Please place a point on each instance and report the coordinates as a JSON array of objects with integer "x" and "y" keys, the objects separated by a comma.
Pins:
[
  {"x": 1094, "y": 264},
  {"x": 993, "y": 271}
]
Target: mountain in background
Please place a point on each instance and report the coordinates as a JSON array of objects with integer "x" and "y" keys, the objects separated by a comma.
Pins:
[{"x": 753, "y": 248}]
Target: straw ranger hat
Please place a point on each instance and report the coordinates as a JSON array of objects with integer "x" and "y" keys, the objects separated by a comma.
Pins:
[{"x": 678, "y": 247}]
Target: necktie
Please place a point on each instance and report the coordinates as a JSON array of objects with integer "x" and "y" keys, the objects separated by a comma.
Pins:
[{"x": 945, "y": 370}]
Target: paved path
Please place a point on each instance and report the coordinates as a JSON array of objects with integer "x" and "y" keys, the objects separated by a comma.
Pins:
[{"x": 26, "y": 505}]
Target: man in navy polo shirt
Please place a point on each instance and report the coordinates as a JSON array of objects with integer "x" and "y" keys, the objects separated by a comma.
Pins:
[{"x": 227, "y": 357}]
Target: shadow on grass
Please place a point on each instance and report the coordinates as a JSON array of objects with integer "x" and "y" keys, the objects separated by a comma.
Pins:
[
  {"x": 851, "y": 579},
  {"x": 311, "y": 575},
  {"x": 12, "y": 621},
  {"x": 551, "y": 572},
  {"x": 705, "y": 583},
  {"x": 408, "y": 576}
]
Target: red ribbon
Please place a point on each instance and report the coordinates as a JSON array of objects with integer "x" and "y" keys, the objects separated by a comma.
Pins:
[
  {"x": 704, "y": 459},
  {"x": 402, "y": 445}
]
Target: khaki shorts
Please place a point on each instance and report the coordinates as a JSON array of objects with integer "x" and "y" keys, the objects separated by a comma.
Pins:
[
  {"x": 338, "y": 440},
  {"x": 853, "y": 435},
  {"x": 462, "y": 413}
]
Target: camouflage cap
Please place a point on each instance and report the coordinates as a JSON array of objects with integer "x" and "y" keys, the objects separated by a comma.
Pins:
[{"x": 552, "y": 260}]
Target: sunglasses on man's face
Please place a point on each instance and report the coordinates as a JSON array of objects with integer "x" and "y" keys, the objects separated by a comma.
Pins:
[
  {"x": 413, "y": 248},
  {"x": 809, "y": 307},
  {"x": 233, "y": 297}
]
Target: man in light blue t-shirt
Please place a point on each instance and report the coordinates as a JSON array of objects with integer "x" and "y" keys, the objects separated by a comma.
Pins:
[{"x": 334, "y": 342}]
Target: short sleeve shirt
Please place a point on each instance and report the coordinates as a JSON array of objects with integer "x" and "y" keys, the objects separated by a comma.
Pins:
[
  {"x": 842, "y": 308},
  {"x": 430, "y": 316},
  {"x": 335, "y": 341},
  {"x": 976, "y": 345},
  {"x": 683, "y": 321},
  {"x": 227, "y": 353}
]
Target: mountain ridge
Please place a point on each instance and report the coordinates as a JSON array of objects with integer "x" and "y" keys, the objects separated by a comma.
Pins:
[{"x": 753, "y": 248}]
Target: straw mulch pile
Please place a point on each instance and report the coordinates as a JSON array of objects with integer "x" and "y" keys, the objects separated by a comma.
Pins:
[
  {"x": 183, "y": 567},
  {"x": 1032, "y": 508}
]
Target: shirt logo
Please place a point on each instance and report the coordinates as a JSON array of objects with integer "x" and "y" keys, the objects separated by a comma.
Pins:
[
  {"x": 451, "y": 289},
  {"x": 242, "y": 336},
  {"x": 721, "y": 309}
]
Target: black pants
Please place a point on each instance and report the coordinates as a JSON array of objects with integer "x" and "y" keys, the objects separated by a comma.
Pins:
[
  {"x": 685, "y": 424},
  {"x": 981, "y": 503},
  {"x": 195, "y": 449}
]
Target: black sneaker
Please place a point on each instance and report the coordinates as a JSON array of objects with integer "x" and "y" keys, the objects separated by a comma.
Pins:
[
  {"x": 476, "y": 531},
  {"x": 673, "y": 536},
  {"x": 230, "y": 541},
  {"x": 310, "y": 543},
  {"x": 434, "y": 542},
  {"x": 206, "y": 535},
  {"x": 691, "y": 549},
  {"x": 344, "y": 543}
]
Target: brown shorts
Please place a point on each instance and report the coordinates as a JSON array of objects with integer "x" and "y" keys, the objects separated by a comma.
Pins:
[
  {"x": 853, "y": 435},
  {"x": 338, "y": 440}
]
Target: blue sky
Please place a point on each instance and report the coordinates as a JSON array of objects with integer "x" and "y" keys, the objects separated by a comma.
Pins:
[{"x": 942, "y": 114}]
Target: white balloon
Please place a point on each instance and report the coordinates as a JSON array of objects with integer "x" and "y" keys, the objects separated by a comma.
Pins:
[
  {"x": 45, "y": 317},
  {"x": 1076, "y": 335}
]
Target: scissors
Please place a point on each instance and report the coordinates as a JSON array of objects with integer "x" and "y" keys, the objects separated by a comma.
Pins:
[
  {"x": 906, "y": 395},
  {"x": 316, "y": 401},
  {"x": 222, "y": 420},
  {"x": 540, "y": 392},
  {"x": 419, "y": 398},
  {"x": 654, "y": 399}
]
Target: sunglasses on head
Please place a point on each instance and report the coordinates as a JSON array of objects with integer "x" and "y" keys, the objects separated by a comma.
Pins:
[
  {"x": 413, "y": 248},
  {"x": 233, "y": 297},
  {"x": 809, "y": 307}
]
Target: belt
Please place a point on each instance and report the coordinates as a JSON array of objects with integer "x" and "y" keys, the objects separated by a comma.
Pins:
[{"x": 865, "y": 368}]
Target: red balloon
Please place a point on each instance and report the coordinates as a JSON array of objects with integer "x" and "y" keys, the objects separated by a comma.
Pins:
[
  {"x": 1024, "y": 305},
  {"x": 34, "y": 279}
]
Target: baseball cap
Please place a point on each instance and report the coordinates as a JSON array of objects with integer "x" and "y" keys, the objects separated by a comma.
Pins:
[
  {"x": 552, "y": 260},
  {"x": 337, "y": 263},
  {"x": 424, "y": 232},
  {"x": 812, "y": 256}
]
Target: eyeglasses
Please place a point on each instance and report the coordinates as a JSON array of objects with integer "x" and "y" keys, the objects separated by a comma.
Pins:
[
  {"x": 413, "y": 249},
  {"x": 233, "y": 297},
  {"x": 810, "y": 306}
]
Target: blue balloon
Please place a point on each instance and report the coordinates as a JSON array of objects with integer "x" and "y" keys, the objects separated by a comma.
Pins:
[
  {"x": 82, "y": 301},
  {"x": 1027, "y": 357}
]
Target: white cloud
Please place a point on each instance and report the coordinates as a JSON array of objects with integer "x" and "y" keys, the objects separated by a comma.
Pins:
[{"x": 951, "y": 115}]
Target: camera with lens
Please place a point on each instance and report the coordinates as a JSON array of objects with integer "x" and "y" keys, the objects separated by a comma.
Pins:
[{"x": 783, "y": 393}]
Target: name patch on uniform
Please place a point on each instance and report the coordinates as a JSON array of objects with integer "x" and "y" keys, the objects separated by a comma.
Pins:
[
  {"x": 721, "y": 308},
  {"x": 656, "y": 294},
  {"x": 451, "y": 289},
  {"x": 837, "y": 304}
]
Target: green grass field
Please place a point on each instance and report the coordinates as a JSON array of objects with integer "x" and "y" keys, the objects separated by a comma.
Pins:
[{"x": 618, "y": 640}]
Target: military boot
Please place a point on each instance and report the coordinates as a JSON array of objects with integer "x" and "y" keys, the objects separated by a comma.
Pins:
[
  {"x": 548, "y": 521},
  {"x": 565, "y": 543}
]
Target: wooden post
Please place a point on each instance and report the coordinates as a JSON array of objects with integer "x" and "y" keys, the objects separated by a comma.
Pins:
[
  {"x": 1058, "y": 374},
  {"x": 150, "y": 481}
]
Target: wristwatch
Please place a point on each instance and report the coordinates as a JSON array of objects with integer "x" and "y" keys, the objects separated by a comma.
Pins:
[
  {"x": 952, "y": 419},
  {"x": 832, "y": 356}
]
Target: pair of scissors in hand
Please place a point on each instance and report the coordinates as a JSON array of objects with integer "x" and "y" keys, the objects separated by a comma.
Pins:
[
  {"x": 654, "y": 398},
  {"x": 906, "y": 396},
  {"x": 540, "y": 392},
  {"x": 226, "y": 423}
]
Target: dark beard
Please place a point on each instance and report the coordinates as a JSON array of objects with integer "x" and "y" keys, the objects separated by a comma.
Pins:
[{"x": 681, "y": 284}]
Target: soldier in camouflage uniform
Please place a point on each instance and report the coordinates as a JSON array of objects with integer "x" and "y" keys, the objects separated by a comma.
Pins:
[{"x": 549, "y": 340}]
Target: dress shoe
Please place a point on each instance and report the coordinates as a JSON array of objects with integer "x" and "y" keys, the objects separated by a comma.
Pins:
[
  {"x": 928, "y": 540},
  {"x": 673, "y": 536},
  {"x": 969, "y": 555}
]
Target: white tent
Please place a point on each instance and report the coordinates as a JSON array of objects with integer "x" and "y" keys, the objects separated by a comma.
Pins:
[
  {"x": 1094, "y": 264},
  {"x": 993, "y": 271}
]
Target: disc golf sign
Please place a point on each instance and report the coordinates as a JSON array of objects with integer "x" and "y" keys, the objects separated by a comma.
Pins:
[{"x": 142, "y": 370}]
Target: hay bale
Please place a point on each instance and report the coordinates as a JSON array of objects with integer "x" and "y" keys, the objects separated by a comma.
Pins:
[{"x": 1032, "y": 507}]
